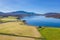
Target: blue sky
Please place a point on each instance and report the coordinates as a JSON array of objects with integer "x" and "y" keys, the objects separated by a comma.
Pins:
[{"x": 37, "y": 6}]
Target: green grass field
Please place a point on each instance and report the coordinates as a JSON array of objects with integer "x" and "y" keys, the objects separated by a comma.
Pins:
[{"x": 50, "y": 33}]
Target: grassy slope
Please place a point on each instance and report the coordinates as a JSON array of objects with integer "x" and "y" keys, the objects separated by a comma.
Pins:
[
  {"x": 50, "y": 33},
  {"x": 6, "y": 37},
  {"x": 6, "y": 19},
  {"x": 19, "y": 29}
]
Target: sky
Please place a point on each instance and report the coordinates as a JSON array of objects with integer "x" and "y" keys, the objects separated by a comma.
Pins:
[{"x": 37, "y": 6}]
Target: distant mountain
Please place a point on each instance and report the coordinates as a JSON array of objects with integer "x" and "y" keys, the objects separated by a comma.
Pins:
[
  {"x": 51, "y": 13},
  {"x": 55, "y": 15},
  {"x": 1, "y": 13},
  {"x": 21, "y": 12},
  {"x": 18, "y": 13}
]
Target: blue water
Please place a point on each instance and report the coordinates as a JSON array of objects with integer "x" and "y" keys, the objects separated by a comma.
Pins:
[{"x": 42, "y": 21}]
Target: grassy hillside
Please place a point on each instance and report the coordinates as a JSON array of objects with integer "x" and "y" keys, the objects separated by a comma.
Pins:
[
  {"x": 50, "y": 33},
  {"x": 6, "y": 37},
  {"x": 18, "y": 29},
  {"x": 7, "y": 19},
  {"x": 10, "y": 27}
]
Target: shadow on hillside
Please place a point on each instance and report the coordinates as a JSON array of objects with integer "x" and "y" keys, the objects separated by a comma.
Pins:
[
  {"x": 21, "y": 36},
  {"x": 6, "y": 22}
]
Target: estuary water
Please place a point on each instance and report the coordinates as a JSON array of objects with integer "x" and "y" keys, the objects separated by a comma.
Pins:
[{"x": 42, "y": 21}]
